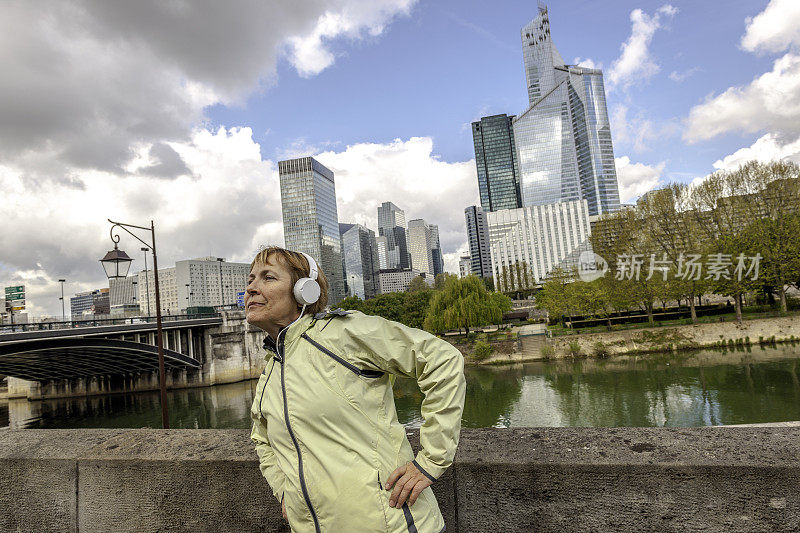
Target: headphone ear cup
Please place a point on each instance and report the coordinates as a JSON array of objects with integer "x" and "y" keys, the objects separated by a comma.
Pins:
[{"x": 306, "y": 291}]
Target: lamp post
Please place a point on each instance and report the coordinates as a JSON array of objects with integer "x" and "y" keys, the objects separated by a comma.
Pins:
[
  {"x": 135, "y": 292},
  {"x": 221, "y": 297},
  {"x": 116, "y": 264},
  {"x": 63, "y": 317},
  {"x": 145, "y": 249}
]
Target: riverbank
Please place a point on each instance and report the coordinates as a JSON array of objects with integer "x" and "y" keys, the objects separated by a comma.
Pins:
[{"x": 729, "y": 335}]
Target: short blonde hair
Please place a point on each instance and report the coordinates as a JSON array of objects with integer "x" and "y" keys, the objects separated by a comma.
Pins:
[{"x": 298, "y": 268}]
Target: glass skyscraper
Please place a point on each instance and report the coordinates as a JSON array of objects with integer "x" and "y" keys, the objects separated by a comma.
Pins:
[
  {"x": 360, "y": 260},
  {"x": 310, "y": 220},
  {"x": 496, "y": 162},
  {"x": 392, "y": 226},
  {"x": 478, "y": 235},
  {"x": 563, "y": 138}
]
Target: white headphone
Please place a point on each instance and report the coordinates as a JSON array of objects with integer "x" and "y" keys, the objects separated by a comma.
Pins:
[{"x": 307, "y": 290}]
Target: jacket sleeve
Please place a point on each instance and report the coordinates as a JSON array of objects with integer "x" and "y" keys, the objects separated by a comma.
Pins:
[
  {"x": 266, "y": 455},
  {"x": 438, "y": 368}
]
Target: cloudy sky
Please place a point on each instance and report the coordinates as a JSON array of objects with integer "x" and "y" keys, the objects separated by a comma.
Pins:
[{"x": 178, "y": 112}]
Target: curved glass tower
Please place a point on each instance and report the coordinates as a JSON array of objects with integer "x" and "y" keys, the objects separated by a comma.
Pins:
[{"x": 564, "y": 136}]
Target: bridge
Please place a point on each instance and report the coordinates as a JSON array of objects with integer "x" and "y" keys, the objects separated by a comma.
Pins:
[{"x": 121, "y": 355}]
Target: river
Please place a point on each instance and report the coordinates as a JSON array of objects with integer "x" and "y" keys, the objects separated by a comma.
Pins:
[{"x": 702, "y": 388}]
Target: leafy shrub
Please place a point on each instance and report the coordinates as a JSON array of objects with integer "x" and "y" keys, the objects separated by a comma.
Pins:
[
  {"x": 547, "y": 351},
  {"x": 599, "y": 349},
  {"x": 574, "y": 348},
  {"x": 482, "y": 350}
]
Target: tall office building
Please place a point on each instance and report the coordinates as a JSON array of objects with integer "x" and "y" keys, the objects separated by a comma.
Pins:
[
  {"x": 392, "y": 225},
  {"x": 420, "y": 243},
  {"x": 563, "y": 138},
  {"x": 529, "y": 242},
  {"x": 478, "y": 236},
  {"x": 360, "y": 260},
  {"x": 310, "y": 220},
  {"x": 436, "y": 250},
  {"x": 496, "y": 162}
]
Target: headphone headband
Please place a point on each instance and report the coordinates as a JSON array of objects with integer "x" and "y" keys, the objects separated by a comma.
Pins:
[{"x": 312, "y": 266}]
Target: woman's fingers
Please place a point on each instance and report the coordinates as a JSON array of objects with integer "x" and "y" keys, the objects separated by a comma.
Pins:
[
  {"x": 418, "y": 488},
  {"x": 401, "y": 490},
  {"x": 399, "y": 471},
  {"x": 408, "y": 483}
]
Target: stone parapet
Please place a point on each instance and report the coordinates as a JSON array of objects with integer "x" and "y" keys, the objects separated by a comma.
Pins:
[{"x": 503, "y": 480}]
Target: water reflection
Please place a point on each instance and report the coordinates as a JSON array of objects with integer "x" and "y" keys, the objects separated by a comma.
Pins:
[{"x": 697, "y": 389}]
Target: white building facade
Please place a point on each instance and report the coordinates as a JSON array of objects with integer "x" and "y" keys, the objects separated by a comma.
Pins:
[
  {"x": 205, "y": 281},
  {"x": 420, "y": 246},
  {"x": 397, "y": 280},
  {"x": 527, "y": 243},
  {"x": 464, "y": 266}
]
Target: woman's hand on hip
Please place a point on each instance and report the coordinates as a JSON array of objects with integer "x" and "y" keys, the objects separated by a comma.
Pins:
[{"x": 408, "y": 483}]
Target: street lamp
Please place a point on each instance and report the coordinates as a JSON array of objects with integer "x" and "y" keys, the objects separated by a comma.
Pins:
[
  {"x": 145, "y": 249},
  {"x": 116, "y": 264},
  {"x": 62, "y": 281}
]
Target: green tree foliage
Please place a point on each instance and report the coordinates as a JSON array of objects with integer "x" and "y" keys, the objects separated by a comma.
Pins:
[
  {"x": 417, "y": 284},
  {"x": 408, "y": 308},
  {"x": 465, "y": 303},
  {"x": 553, "y": 296},
  {"x": 415, "y": 307},
  {"x": 441, "y": 279}
]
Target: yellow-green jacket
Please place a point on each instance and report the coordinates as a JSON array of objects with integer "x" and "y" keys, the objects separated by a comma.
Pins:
[{"x": 326, "y": 430}]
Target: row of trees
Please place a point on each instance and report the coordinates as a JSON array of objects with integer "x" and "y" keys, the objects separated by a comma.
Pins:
[
  {"x": 452, "y": 303},
  {"x": 744, "y": 224}
]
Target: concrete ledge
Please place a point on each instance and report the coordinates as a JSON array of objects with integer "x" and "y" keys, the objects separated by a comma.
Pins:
[{"x": 527, "y": 479}]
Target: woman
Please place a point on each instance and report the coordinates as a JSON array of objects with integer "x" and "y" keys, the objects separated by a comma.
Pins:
[{"x": 324, "y": 419}]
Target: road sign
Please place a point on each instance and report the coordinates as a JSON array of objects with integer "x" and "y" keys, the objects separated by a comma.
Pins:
[
  {"x": 240, "y": 299},
  {"x": 15, "y": 293},
  {"x": 18, "y": 308}
]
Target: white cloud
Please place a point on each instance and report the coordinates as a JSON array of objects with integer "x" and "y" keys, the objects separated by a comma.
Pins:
[
  {"x": 771, "y": 101},
  {"x": 587, "y": 62},
  {"x": 775, "y": 29},
  {"x": 635, "y": 179},
  {"x": 635, "y": 64},
  {"x": 681, "y": 76},
  {"x": 638, "y": 131},
  {"x": 310, "y": 54},
  {"x": 84, "y": 82},
  {"x": 767, "y": 148},
  {"x": 411, "y": 176}
]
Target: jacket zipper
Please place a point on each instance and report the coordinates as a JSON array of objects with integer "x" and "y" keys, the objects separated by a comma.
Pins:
[
  {"x": 296, "y": 445},
  {"x": 352, "y": 368}
]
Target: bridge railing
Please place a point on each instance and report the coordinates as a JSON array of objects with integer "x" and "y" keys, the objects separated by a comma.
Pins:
[{"x": 116, "y": 321}]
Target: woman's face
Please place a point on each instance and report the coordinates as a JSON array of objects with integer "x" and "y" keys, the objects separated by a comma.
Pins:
[{"x": 268, "y": 299}]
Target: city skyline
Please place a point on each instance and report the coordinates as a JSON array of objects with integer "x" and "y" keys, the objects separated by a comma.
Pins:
[{"x": 193, "y": 144}]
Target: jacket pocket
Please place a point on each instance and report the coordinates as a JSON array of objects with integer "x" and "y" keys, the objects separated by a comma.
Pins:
[{"x": 363, "y": 372}]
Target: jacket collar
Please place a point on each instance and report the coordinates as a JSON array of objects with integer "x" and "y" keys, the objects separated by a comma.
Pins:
[{"x": 291, "y": 334}]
